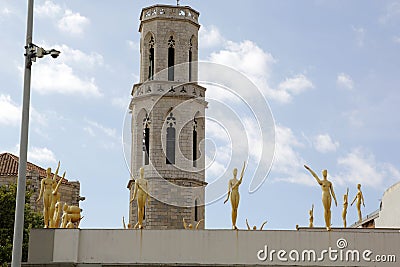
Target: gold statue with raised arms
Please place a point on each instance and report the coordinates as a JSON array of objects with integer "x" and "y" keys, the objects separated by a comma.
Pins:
[
  {"x": 327, "y": 191},
  {"x": 140, "y": 192},
  {"x": 233, "y": 193}
]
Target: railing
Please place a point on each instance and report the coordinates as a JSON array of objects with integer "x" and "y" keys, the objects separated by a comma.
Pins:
[
  {"x": 178, "y": 12},
  {"x": 168, "y": 89}
]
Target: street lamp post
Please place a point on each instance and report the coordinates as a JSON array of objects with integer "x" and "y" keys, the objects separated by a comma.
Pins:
[{"x": 31, "y": 52}]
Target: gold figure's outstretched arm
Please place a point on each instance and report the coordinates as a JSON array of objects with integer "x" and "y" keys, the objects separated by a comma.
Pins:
[
  {"x": 229, "y": 192},
  {"x": 184, "y": 223},
  {"x": 198, "y": 223},
  {"x": 123, "y": 222},
  {"x": 241, "y": 174},
  {"x": 41, "y": 190},
  {"x": 312, "y": 208},
  {"x": 56, "y": 172},
  {"x": 353, "y": 200},
  {"x": 58, "y": 184},
  {"x": 262, "y": 225},
  {"x": 248, "y": 226},
  {"x": 313, "y": 174},
  {"x": 333, "y": 194}
]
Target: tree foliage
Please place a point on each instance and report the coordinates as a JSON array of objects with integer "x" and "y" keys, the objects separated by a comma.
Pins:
[{"x": 7, "y": 216}]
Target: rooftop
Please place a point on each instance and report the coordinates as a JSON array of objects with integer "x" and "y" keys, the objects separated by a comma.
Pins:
[{"x": 9, "y": 166}]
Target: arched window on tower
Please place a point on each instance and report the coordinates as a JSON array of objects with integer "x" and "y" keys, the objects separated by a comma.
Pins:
[
  {"x": 146, "y": 140},
  {"x": 190, "y": 59},
  {"x": 171, "y": 58},
  {"x": 194, "y": 144},
  {"x": 151, "y": 59},
  {"x": 171, "y": 132},
  {"x": 196, "y": 210}
]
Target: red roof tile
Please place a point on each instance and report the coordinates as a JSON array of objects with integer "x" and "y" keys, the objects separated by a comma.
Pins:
[{"x": 9, "y": 166}]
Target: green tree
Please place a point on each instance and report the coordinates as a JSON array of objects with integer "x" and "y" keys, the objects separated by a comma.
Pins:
[{"x": 7, "y": 215}]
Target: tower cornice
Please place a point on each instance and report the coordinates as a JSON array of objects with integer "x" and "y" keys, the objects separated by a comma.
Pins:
[{"x": 169, "y": 12}]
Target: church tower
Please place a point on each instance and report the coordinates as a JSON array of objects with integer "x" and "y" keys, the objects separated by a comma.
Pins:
[{"x": 168, "y": 119}]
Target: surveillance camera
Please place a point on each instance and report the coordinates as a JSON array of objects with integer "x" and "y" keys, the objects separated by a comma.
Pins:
[{"x": 54, "y": 53}]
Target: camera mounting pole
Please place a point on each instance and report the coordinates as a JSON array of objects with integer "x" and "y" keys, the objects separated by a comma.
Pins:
[{"x": 31, "y": 52}]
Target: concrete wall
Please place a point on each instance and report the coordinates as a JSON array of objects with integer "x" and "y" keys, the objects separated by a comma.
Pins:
[
  {"x": 389, "y": 215},
  {"x": 340, "y": 247}
]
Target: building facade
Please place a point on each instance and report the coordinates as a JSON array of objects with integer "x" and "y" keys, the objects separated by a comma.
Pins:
[{"x": 168, "y": 119}]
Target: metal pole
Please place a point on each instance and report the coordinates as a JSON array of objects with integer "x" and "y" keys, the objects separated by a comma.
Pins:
[{"x": 20, "y": 199}]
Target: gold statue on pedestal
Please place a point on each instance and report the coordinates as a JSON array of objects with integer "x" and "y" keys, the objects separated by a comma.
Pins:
[
  {"x": 311, "y": 212},
  {"x": 233, "y": 192},
  {"x": 360, "y": 199},
  {"x": 327, "y": 191},
  {"x": 57, "y": 216},
  {"x": 255, "y": 227},
  {"x": 140, "y": 191},
  {"x": 55, "y": 198},
  {"x": 190, "y": 226},
  {"x": 71, "y": 215},
  {"x": 345, "y": 205},
  {"x": 46, "y": 190}
]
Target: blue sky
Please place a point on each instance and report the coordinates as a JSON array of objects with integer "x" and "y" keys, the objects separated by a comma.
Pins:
[{"x": 328, "y": 69}]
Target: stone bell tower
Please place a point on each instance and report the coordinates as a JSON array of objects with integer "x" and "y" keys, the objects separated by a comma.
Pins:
[{"x": 168, "y": 119}]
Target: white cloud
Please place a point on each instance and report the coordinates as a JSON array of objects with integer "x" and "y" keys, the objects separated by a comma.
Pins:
[
  {"x": 73, "y": 23},
  {"x": 209, "y": 36},
  {"x": 5, "y": 11},
  {"x": 345, "y": 81},
  {"x": 50, "y": 77},
  {"x": 41, "y": 155},
  {"x": 47, "y": 9},
  {"x": 64, "y": 75},
  {"x": 256, "y": 64},
  {"x": 120, "y": 102},
  {"x": 324, "y": 143},
  {"x": 294, "y": 86},
  {"x": 392, "y": 12},
  {"x": 360, "y": 166},
  {"x": 288, "y": 164},
  {"x": 111, "y": 132},
  {"x": 36, "y": 155},
  {"x": 360, "y": 33},
  {"x": 396, "y": 39},
  {"x": 10, "y": 112},
  {"x": 133, "y": 45},
  {"x": 78, "y": 58},
  {"x": 246, "y": 57}
]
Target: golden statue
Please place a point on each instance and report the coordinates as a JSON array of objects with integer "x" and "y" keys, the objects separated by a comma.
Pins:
[
  {"x": 140, "y": 191},
  {"x": 233, "y": 192},
  {"x": 327, "y": 191},
  {"x": 345, "y": 205},
  {"x": 360, "y": 199},
  {"x": 55, "y": 198},
  {"x": 71, "y": 214},
  {"x": 311, "y": 212},
  {"x": 46, "y": 190},
  {"x": 55, "y": 223},
  {"x": 255, "y": 227},
  {"x": 190, "y": 226}
]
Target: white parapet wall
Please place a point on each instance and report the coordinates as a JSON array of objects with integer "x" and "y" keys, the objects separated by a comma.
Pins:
[
  {"x": 389, "y": 214},
  {"x": 304, "y": 247}
]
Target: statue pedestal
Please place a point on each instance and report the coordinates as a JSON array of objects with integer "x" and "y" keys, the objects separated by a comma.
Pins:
[{"x": 305, "y": 247}]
